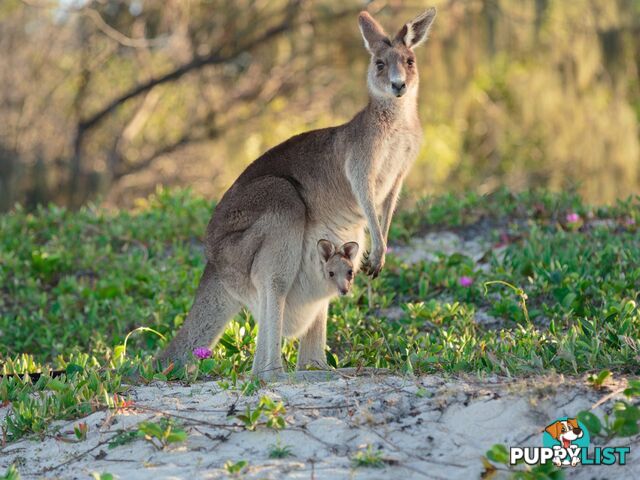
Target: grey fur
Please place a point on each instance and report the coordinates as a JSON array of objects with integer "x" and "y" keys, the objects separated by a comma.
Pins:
[{"x": 262, "y": 240}]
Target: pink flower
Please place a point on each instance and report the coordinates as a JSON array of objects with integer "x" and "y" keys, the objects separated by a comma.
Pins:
[
  {"x": 630, "y": 221},
  {"x": 504, "y": 240},
  {"x": 465, "y": 281},
  {"x": 573, "y": 217},
  {"x": 202, "y": 352}
]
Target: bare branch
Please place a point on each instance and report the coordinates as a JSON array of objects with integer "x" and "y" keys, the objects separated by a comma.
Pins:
[
  {"x": 118, "y": 36},
  {"x": 100, "y": 23},
  {"x": 198, "y": 62}
]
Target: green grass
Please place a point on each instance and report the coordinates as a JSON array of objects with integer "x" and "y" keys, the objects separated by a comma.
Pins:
[
  {"x": 278, "y": 450},
  {"x": 74, "y": 284},
  {"x": 368, "y": 458}
]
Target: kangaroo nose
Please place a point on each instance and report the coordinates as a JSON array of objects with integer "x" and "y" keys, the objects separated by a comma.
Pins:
[{"x": 398, "y": 88}]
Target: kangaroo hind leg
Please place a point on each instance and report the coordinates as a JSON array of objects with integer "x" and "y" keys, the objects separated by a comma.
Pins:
[
  {"x": 212, "y": 309},
  {"x": 274, "y": 269}
]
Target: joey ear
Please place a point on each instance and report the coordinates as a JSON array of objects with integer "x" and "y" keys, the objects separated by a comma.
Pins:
[
  {"x": 416, "y": 31},
  {"x": 371, "y": 31},
  {"x": 350, "y": 250},
  {"x": 326, "y": 249}
]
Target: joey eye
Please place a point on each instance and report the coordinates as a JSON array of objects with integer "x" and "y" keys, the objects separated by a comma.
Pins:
[
  {"x": 350, "y": 272},
  {"x": 410, "y": 62},
  {"x": 331, "y": 274},
  {"x": 380, "y": 65}
]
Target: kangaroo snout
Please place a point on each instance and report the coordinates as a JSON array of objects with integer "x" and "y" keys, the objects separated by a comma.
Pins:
[{"x": 399, "y": 88}]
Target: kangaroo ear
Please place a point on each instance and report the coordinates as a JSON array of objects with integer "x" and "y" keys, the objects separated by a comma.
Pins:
[
  {"x": 416, "y": 31},
  {"x": 326, "y": 249},
  {"x": 371, "y": 30},
  {"x": 350, "y": 250},
  {"x": 553, "y": 430}
]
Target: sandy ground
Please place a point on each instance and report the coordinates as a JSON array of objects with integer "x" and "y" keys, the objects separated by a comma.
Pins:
[{"x": 423, "y": 427}]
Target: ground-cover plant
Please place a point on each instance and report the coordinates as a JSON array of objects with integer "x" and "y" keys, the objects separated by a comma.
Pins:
[
  {"x": 368, "y": 458},
  {"x": 34, "y": 405},
  {"x": 235, "y": 468},
  {"x": 268, "y": 411},
  {"x": 278, "y": 450},
  {"x": 74, "y": 282},
  {"x": 162, "y": 433},
  {"x": 102, "y": 476},
  {"x": 124, "y": 438},
  {"x": 10, "y": 474},
  {"x": 73, "y": 285}
]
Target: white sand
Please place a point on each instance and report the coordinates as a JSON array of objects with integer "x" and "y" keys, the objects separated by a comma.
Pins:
[{"x": 426, "y": 427}]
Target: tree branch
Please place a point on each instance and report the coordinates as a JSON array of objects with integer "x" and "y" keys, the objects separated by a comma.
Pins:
[
  {"x": 117, "y": 35},
  {"x": 195, "y": 64},
  {"x": 214, "y": 58}
]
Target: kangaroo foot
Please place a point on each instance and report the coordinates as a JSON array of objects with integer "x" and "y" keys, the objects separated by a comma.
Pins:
[
  {"x": 270, "y": 374},
  {"x": 312, "y": 364},
  {"x": 334, "y": 374}
]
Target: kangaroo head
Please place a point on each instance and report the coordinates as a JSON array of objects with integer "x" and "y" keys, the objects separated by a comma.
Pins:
[
  {"x": 393, "y": 70},
  {"x": 337, "y": 264}
]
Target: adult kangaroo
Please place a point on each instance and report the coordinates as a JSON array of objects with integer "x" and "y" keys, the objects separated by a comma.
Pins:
[{"x": 261, "y": 242}]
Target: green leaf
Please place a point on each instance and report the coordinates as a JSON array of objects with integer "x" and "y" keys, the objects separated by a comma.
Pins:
[
  {"x": 634, "y": 388},
  {"x": 228, "y": 344},
  {"x": 626, "y": 427},
  {"x": 590, "y": 421},
  {"x": 207, "y": 365},
  {"x": 498, "y": 453},
  {"x": 118, "y": 351},
  {"x": 56, "y": 385},
  {"x": 73, "y": 368},
  {"x": 177, "y": 436},
  {"x": 332, "y": 359},
  {"x": 568, "y": 300},
  {"x": 598, "y": 380}
]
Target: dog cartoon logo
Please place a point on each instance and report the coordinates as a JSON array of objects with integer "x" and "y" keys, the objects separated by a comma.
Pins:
[
  {"x": 566, "y": 436},
  {"x": 565, "y": 442}
]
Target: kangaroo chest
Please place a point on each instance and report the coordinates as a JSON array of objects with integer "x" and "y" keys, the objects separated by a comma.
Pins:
[{"x": 393, "y": 159}]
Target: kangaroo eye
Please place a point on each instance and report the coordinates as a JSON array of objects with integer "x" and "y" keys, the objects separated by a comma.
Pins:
[
  {"x": 350, "y": 272},
  {"x": 410, "y": 62},
  {"x": 380, "y": 65},
  {"x": 331, "y": 274}
]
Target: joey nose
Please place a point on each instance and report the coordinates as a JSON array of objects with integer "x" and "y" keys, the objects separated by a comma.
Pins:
[{"x": 399, "y": 88}]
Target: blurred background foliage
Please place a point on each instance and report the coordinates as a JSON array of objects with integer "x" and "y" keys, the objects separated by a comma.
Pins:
[{"x": 105, "y": 99}]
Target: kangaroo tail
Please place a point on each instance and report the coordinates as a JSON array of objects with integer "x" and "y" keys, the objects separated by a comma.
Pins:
[{"x": 212, "y": 309}]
